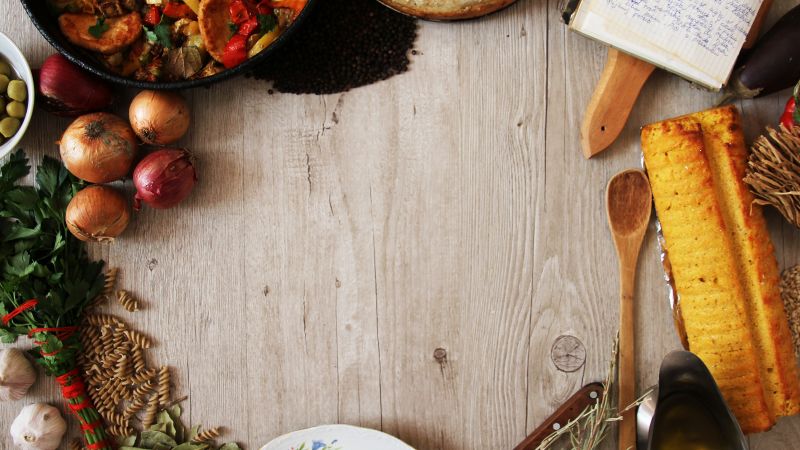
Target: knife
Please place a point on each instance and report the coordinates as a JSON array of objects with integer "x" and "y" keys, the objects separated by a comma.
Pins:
[{"x": 570, "y": 410}]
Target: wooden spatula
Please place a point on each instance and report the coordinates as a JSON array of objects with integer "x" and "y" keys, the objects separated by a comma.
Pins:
[{"x": 619, "y": 87}]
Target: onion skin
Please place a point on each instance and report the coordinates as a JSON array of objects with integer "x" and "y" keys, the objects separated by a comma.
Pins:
[
  {"x": 98, "y": 148},
  {"x": 67, "y": 90},
  {"x": 159, "y": 117},
  {"x": 98, "y": 214},
  {"x": 164, "y": 178}
]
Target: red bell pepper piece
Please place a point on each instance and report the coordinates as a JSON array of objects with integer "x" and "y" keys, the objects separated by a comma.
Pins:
[
  {"x": 239, "y": 12},
  {"x": 176, "y": 10},
  {"x": 249, "y": 27},
  {"x": 153, "y": 16},
  {"x": 235, "y": 51},
  {"x": 791, "y": 115}
]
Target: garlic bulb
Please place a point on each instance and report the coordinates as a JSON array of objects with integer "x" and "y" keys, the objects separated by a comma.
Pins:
[
  {"x": 38, "y": 427},
  {"x": 16, "y": 374}
]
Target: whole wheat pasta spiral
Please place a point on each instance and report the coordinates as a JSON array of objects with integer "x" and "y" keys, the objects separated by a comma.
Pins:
[
  {"x": 207, "y": 435},
  {"x": 138, "y": 359},
  {"x": 139, "y": 339},
  {"x": 111, "y": 282},
  {"x": 144, "y": 376},
  {"x": 163, "y": 385},
  {"x": 75, "y": 444},
  {"x": 133, "y": 407},
  {"x": 104, "y": 320},
  {"x": 150, "y": 413},
  {"x": 127, "y": 301},
  {"x": 140, "y": 391}
]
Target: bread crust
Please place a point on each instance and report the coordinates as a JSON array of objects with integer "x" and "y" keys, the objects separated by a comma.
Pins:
[{"x": 447, "y": 9}]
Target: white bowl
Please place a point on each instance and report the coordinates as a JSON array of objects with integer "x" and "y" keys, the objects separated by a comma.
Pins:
[
  {"x": 337, "y": 437},
  {"x": 11, "y": 54}
]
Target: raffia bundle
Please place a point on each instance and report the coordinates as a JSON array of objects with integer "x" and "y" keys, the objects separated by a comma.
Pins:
[{"x": 773, "y": 171}]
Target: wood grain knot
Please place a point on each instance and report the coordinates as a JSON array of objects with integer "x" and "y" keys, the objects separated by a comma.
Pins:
[
  {"x": 151, "y": 264},
  {"x": 568, "y": 353},
  {"x": 440, "y": 355}
]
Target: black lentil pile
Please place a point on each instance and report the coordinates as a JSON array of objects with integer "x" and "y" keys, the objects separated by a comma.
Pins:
[{"x": 344, "y": 44}]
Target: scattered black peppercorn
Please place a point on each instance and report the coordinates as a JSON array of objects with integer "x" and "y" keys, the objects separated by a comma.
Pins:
[{"x": 342, "y": 45}]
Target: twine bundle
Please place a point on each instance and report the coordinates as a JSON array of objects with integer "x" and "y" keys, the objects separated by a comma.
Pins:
[{"x": 773, "y": 171}]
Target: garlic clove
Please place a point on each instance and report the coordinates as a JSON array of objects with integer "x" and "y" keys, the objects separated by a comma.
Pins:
[
  {"x": 38, "y": 427},
  {"x": 17, "y": 374}
]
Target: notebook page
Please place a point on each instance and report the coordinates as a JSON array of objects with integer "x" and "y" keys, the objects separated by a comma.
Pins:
[{"x": 697, "y": 39}]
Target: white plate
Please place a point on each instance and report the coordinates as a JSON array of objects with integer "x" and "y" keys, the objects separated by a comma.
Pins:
[
  {"x": 12, "y": 55},
  {"x": 336, "y": 437}
]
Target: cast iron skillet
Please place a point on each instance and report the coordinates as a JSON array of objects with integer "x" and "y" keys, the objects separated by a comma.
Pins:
[{"x": 47, "y": 24}]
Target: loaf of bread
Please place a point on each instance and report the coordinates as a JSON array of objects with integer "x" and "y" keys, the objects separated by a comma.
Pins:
[
  {"x": 447, "y": 9},
  {"x": 723, "y": 263}
]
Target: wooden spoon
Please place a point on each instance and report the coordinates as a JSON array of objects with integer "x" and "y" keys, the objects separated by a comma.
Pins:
[{"x": 628, "y": 204}]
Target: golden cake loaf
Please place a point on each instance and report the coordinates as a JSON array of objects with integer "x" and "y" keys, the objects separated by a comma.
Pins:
[{"x": 723, "y": 263}]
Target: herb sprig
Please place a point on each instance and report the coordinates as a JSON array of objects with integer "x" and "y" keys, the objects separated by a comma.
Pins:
[{"x": 42, "y": 261}]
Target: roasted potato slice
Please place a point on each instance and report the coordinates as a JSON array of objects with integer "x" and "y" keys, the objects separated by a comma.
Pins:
[
  {"x": 122, "y": 31},
  {"x": 214, "y": 17}
]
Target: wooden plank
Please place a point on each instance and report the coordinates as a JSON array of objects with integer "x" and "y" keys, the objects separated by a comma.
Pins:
[{"x": 403, "y": 256}]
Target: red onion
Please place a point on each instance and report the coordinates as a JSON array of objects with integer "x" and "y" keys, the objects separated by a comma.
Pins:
[
  {"x": 164, "y": 178},
  {"x": 68, "y": 90}
]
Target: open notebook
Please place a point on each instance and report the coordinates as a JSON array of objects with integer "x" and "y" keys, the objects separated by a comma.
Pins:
[{"x": 696, "y": 39}]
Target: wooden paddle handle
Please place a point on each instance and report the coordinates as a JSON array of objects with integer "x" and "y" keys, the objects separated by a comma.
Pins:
[
  {"x": 571, "y": 409},
  {"x": 612, "y": 101},
  {"x": 627, "y": 352},
  {"x": 752, "y": 36}
]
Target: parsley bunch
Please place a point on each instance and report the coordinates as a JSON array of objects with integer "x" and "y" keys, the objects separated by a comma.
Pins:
[{"x": 41, "y": 260}]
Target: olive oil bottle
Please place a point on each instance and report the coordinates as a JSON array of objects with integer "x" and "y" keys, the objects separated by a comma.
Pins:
[
  {"x": 690, "y": 413},
  {"x": 685, "y": 423}
]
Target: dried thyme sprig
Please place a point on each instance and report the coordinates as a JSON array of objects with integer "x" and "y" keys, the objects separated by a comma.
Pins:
[{"x": 590, "y": 428}]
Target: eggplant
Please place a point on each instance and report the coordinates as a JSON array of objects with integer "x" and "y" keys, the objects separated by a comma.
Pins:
[{"x": 773, "y": 64}]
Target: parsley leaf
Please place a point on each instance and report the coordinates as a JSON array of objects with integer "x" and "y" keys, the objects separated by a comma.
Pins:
[
  {"x": 40, "y": 259},
  {"x": 161, "y": 33},
  {"x": 266, "y": 23},
  {"x": 98, "y": 28}
]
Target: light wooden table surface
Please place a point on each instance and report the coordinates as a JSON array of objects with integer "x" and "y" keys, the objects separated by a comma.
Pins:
[{"x": 402, "y": 256}]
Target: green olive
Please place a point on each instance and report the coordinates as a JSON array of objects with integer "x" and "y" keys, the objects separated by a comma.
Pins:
[
  {"x": 17, "y": 90},
  {"x": 3, "y": 83},
  {"x": 5, "y": 69},
  {"x": 16, "y": 109},
  {"x": 9, "y": 126}
]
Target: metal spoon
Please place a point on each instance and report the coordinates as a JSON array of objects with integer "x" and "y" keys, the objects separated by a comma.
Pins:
[{"x": 628, "y": 204}]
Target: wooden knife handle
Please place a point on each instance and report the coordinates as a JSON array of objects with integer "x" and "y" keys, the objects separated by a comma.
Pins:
[
  {"x": 571, "y": 409},
  {"x": 752, "y": 36},
  {"x": 612, "y": 101}
]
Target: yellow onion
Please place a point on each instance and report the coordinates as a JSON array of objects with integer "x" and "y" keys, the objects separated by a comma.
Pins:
[
  {"x": 98, "y": 213},
  {"x": 164, "y": 178},
  {"x": 159, "y": 117},
  {"x": 98, "y": 148}
]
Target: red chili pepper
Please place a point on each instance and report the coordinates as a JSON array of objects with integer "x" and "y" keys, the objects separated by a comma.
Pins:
[
  {"x": 235, "y": 51},
  {"x": 153, "y": 16},
  {"x": 239, "y": 11},
  {"x": 178, "y": 11},
  {"x": 791, "y": 115},
  {"x": 249, "y": 27},
  {"x": 788, "y": 116}
]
